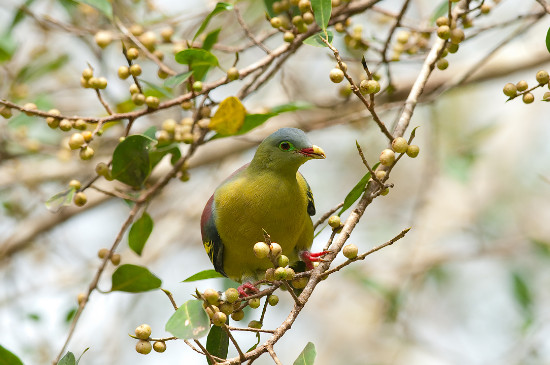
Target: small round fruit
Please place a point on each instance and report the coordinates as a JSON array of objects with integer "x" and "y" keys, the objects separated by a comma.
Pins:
[
  {"x": 87, "y": 136},
  {"x": 138, "y": 99},
  {"x": 444, "y": 32},
  {"x": 542, "y": 77},
  {"x": 237, "y": 316},
  {"x": 101, "y": 83},
  {"x": 282, "y": 261},
  {"x": 79, "y": 124},
  {"x": 132, "y": 53},
  {"x": 149, "y": 40},
  {"x": 134, "y": 89},
  {"x": 81, "y": 297},
  {"x": 159, "y": 346},
  {"x": 211, "y": 310},
  {"x": 115, "y": 259},
  {"x": 385, "y": 192},
  {"x": 402, "y": 37},
  {"x": 219, "y": 319},
  {"x": 300, "y": 283},
  {"x": 276, "y": 22},
  {"x": 280, "y": 273},
  {"x": 80, "y": 199},
  {"x": 457, "y": 36},
  {"x": 226, "y": 308},
  {"x": 30, "y": 106},
  {"x": 369, "y": 86},
  {"x": 350, "y": 251},
  {"x": 233, "y": 74},
  {"x": 152, "y": 102},
  {"x": 103, "y": 38},
  {"x": 442, "y": 64},
  {"x": 510, "y": 89},
  {"x": 387, "y": 157},
  {"x": 254, "y": 303},
  {"x": 143, "y": 331},
  {"x": 7, "y": 113},
  {"x": 522, "y": 85},
  {"x": 270, "y": 274},
  {"x": 102, "y": 169},
  {"x": 334, "y": 221},
  {"x": 273, "y": 300},
  {"x": 102, "y": 253},
  {"x": 255, "y": 324},
  {"x": 75, "y": 184},
  {"x": 166, "y": 34},
  {"x": 546, "y": 96},
  {"x": 261, "y": 250},
  {"x": 528, "y": 98},
  {"x": 290, "y": 273},
  {"x": 413, "y": 150},
  {"x": 197, "y": 86},
  {"x": 399, "y": 145},
  {"x": 144, "y": 347},
  {"x": 336, "y": 75},
  {"x": 135, "y": 70},
  {"x": 186, "y": 105},
  {"x": 452, "y": 48},
  {"x": 308, "y": 17},
  {"x": 485, "y": 8},
  {"x": 276, "y": 249},
  {"x": 86, "y": 153},
  {"x": 76, "y": 141},
  {"x": 87, "y": 73},
  {"x": 123, "y": 72},
  {"x": 442, "y": 20},
  {"x": 211, "y": 296},
  {"x": 288, "y": 37},
  {"x": 381, "y": 174},
  {"x": 231, "y": 295}
]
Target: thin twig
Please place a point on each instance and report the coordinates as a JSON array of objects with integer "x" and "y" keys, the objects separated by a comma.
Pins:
[
  {"x": 273, "y": 355},
  {"x": 228, "y": 332},
  {"x": 363, "y": 256},
  {"x": 103, "y": 102},
  {"x": 248, "y": 32},
  {"x": 169, "y": 295}
]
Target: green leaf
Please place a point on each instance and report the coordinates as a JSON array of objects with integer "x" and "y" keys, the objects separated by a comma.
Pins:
[
  {"x": 522, "y": 292},
  {"x": 269, "y": 7},
  {"x": 134, "y": 279},
  {"x": 68, "y": 359},
  {"x": 61, "y": 199},
  {"x": 315, "y": 40},
  {"x": 548, "y": 40},
  {"x": 8, "y": 46},
  {"x": 220, "y": 7},
  {"x": 211, "y": 39},
  {"x": 82, "y": 354},
  {"x": 196, "y": 57},
  {"x": 217, "y": 342},
  {"x": 131, "y": 164},
  {"x": 321, "y": 10},
  {"x": 139, "y": 233},
  {"x": 178, "y": 79},
  {"x": 199, "y": 60},
  {"x": 70, "y": 314},
  {"x": 159, "y": 152},
  {"x": 103, "y": 6},
  {"x": 291, "y": 107},
  {"x": 256, "y": 344},
  {"x": 190, "y": 321},
  {"x": 203, "y": 275},
  {"x": 156, "y": 90},
  {"x": 356, "y": 192},
  {"x": 8, "y": 358},
  {"x": 307, "y": 357},
  {"x": 413, "y": 133},
  {"x": 150, "y": 132}
]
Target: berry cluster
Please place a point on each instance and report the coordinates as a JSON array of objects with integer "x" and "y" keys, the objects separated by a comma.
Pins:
[{"x": 522, "y": 88}]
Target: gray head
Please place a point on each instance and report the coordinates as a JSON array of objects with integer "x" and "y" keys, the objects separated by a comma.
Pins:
[{"x": 285, "y": 150}]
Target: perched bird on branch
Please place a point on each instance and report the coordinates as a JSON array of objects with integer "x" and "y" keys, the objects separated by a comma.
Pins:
[{"x": 268, "y": 194}]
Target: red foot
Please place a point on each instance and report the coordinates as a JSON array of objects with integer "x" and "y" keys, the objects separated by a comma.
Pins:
[
  {"x": 310, "y": 257},
  {"x": 242, "y": 289}
]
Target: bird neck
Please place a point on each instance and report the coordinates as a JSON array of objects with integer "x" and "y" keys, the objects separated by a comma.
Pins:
[{"x": 264, "y": 161}]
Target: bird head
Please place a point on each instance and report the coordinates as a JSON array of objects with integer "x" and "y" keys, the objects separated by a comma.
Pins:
[{"x": 286, "y": 150}]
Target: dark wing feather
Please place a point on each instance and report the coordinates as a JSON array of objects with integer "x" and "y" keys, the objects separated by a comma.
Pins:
[
  {"x": 211, "y": 238},
  {"x": 310, "y": 201}
]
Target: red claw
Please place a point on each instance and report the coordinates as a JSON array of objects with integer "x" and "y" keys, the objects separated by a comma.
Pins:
[
  {"x": 242, "y": 290},
  {"x": 310, "y": 257}
]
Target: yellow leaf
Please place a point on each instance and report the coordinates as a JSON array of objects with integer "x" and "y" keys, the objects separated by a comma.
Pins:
[{"x": 229, "y": 117}]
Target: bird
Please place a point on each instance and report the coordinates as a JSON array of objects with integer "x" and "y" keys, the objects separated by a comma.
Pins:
[{"x": 268, "y": 194}]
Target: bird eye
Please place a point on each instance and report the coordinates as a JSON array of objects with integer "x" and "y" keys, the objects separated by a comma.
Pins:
[{"x": 285, "y": 146}]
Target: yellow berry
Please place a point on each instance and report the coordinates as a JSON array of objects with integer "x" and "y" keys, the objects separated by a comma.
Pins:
[
  {"x": 261, "y": 250},
  {"x": 103, "y": 38},
  {"x": 159, "y": 346},
  {"x": 211, "y": 296},
  {"x": 413, "y": 150},
  {"x": 387, "y": 157},
  {"x": 273, "y": 300},
  {"x": 350, "y": 251},
  {"x": 254, "y": 303},
  {"x": 115, "y": 259},
  {"x": 510, "y": 89},
  {"x": 282, "y": 261},
  {"x": 276, "y": 249},
  {"x": 143, "y": 331},
  {"x": 237, "y": 316},
  {"x": 143, "y": 347},
  {"x": 102, "y": 253},
  {"x": 123, "y": 72},
  {"x": 542, "y": 77},
  {"x": 336, "y": 75},
  {"x": 75, "y": 184},
  {"x": 334, "y": 221},
  {"x": 219, "y": 319},
  {"x": 80, "y": 199},
  {"x": 528, "y": 98}
]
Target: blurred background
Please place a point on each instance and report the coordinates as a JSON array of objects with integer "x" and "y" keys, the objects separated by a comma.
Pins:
[{"x": 467, "y": 285}]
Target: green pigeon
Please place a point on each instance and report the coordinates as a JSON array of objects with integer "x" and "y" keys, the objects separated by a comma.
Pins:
[{"x": 268, "y": 194}]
